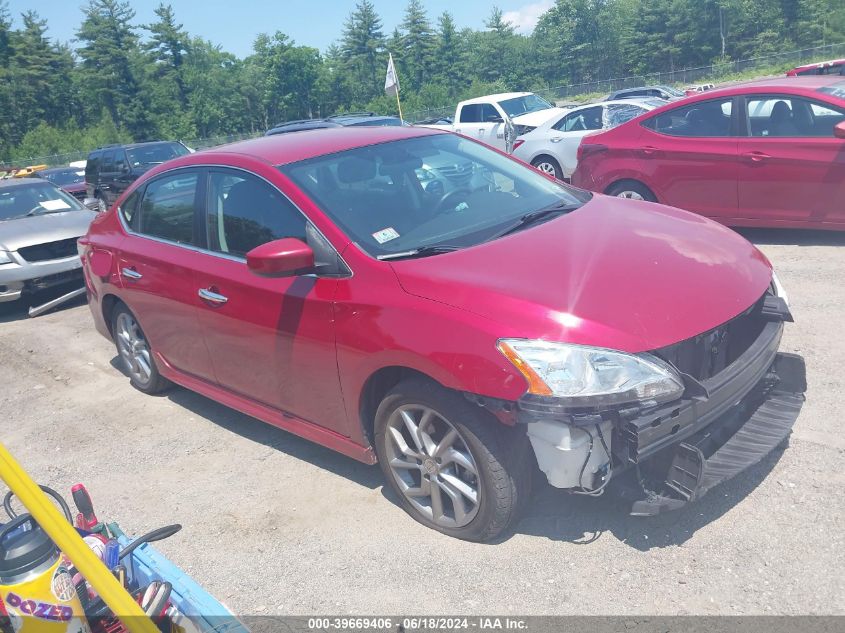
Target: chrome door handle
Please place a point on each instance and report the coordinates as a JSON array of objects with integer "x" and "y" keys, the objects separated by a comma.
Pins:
[
  {"x": 212, "y": 297},
  {"x": 130, "y": 273}
]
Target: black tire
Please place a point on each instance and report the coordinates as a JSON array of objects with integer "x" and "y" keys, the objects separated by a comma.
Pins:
[
  {"x": 501, "y": 454},
  {"x": 623, "y": 187},
  {"x": 153, "y": 383},
  {"x": 553, "y": 167}
]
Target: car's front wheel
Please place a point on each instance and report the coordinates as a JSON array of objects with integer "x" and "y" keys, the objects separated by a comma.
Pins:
[
  {"x": 454, "y": 468},
  {"x": 136, "y": 355}
]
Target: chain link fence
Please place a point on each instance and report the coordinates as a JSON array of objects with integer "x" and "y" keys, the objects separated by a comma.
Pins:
[{"x": 683, "y": 77}]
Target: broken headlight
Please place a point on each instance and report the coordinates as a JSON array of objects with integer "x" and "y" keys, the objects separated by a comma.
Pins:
[
  {"x": 778, "y": 288},
  {"x": 591, "y": 376}
]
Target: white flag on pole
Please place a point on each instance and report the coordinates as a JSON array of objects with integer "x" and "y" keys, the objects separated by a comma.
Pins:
[{"x": 391, "y": 81}]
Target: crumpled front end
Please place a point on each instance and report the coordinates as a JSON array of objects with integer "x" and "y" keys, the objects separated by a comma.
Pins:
[{"x": 740, "y": 400}]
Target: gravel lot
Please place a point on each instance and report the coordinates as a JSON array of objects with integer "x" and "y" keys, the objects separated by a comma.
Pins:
[{"x": 275, "y": 524}]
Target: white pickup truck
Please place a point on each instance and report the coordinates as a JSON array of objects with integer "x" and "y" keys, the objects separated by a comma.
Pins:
[{"x": 483, "y": 118}]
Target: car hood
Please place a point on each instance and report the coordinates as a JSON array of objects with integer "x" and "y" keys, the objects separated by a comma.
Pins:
[
  {"x": 537, "y": 118},
  {"x": 47, "y": 227},
  {"x": 620, "y": 274}
]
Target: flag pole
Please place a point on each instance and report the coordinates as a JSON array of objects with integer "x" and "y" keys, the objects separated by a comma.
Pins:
[{"x": 399, "y": 105}]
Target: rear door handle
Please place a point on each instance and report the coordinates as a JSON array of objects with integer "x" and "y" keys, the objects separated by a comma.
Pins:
[
  {"x": 757, "y": 157},
  {"x": 130, "y": 273},
  {"x": 207, "y": 294}
]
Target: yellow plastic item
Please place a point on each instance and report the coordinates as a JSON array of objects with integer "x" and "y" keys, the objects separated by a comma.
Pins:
[
  {"x": 71, "y": 544},
  {"x": 45, "y": 602},
  {"x": 28, "y": 171}
]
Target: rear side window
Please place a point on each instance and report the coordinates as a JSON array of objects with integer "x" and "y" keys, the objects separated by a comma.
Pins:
[
  {"x": 245, "y": 212},
  {"x": 129, "y": 207},
  {"x": 788, "y": 116},
  {"x": 471, "y": 113},
  {"x": 618, "y": 113},
  {"x": 701, "y": 119},
  {"x": 167, "y": 209},
  {"x": 479, "y": 113},
  {"x": 92, "y": 165},
  {"x": 108, "y": 161},
  {"x": 587, "y": 119}
]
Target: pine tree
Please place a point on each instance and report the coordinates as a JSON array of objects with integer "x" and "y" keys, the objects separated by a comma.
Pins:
[
  {"x": 362, "y": 46},
  {"x": 110, "y": 46},
  {"x": 450, "y": 57},
  {"x": 418, "y": 45}
]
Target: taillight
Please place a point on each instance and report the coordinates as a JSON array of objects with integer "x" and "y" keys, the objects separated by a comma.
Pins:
[
  {"x": 588, "y": 149},
  {"x": 517, "y": 143}
]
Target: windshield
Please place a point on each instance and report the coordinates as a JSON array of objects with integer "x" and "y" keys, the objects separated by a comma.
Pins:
[
  {"x": 672, "y": 91},
  {"x": 524, "y": 105},
  {"x": 155, "y": 154},
  {"x": 20, "y": 201},
  {"x": 432, "y": 190},
  {"x": 64, "y": 177}
]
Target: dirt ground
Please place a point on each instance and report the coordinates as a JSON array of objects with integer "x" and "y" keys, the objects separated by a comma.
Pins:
[{"x": 275, "y": 524}]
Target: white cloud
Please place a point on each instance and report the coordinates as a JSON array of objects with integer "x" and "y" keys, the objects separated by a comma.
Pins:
[{"x": 525, "y": 18}]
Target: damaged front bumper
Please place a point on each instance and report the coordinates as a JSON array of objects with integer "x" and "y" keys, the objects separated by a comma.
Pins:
[{"x": 680, "y": 450}]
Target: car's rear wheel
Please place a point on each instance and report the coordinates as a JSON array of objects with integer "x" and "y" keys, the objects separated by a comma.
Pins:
[
  {"x": 632, "y": 190},
  {"x": 548, "y": 165},
  {"x": 454, "y": 468},
  {"x": 135, "y": 353}
]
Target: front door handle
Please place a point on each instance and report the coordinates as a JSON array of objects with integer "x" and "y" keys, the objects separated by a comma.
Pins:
[
  {"x": 130, "y": 273},
  {"x": 207, "y": 294},
  {"x": 757, "y": 157},
  {"x": 648, "y": 150}
]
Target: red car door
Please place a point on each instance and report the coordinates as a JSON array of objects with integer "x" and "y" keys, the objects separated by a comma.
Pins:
[
  {"x": 791, "y": 167},
  {"x": 688, "y": 154},
  {"x": 156, "y": 265},
  {"x": 271, "y": 339}
]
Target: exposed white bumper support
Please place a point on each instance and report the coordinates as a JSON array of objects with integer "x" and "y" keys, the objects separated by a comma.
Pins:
[{"x": 562, "y": 450}]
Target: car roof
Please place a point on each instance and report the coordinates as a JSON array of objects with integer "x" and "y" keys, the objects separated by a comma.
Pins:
[
  {"x": 282, "y": 149},
  {"x": 806, "y": 83},
  {"x": 825, "y": 64},
  {"x": 7, "y": 183},
  {"x": 501, "y": 96},
  {"x": 130, "y": 145},
  {"x": 51, "y": 170}
]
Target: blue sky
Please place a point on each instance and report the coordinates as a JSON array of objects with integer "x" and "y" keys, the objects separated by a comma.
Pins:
[{"x": 234, "y": 24}]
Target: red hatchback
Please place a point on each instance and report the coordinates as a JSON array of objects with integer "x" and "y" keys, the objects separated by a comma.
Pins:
[
  {"x": 769, "y": 153},
  {"x": 415, "y": 298}
]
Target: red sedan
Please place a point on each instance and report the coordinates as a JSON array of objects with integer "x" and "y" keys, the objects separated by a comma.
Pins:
[
  {"x": 769, "y": 153},
  {"x": 415, "y": 298}
]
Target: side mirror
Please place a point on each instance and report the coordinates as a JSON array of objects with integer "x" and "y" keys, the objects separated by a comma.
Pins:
[
  {"x": 839, "y": 130},
  {"x": 495, "y": 118},
  {"x": 281, "y": 258}
]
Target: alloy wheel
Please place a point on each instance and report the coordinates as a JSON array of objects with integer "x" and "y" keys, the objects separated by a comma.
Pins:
[
  {"x": 432, "y": 465},
  {"x": 547, "y": 168},
  {"x": 134, "y": 349},
  {"x": 631, "y": 195}
]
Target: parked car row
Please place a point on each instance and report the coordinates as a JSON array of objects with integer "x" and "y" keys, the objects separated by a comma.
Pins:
[{"x": 766, "y": 153}]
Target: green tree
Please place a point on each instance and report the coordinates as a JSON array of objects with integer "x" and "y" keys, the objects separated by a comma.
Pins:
[
  {"x": 362, "y": 47},
  {"x": 450, "y": 58},
  {"x": 109, "y": 53},
  {"x": 418, "y": 43}
]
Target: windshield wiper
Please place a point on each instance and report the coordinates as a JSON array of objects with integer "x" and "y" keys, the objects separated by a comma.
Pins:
[
  {"x": 534, "y": 217},
  {"x": 422, "y": 251}
]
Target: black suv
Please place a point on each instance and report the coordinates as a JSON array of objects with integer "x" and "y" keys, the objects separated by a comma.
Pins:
[
  {"x": 338, "y": 120},
  {"x": 111, "y": 169}
]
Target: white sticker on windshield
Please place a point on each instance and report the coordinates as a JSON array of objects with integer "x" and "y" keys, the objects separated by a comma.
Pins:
[
  {"x": 385, "y": 235},
  {"x": 54, "y": 205}
]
